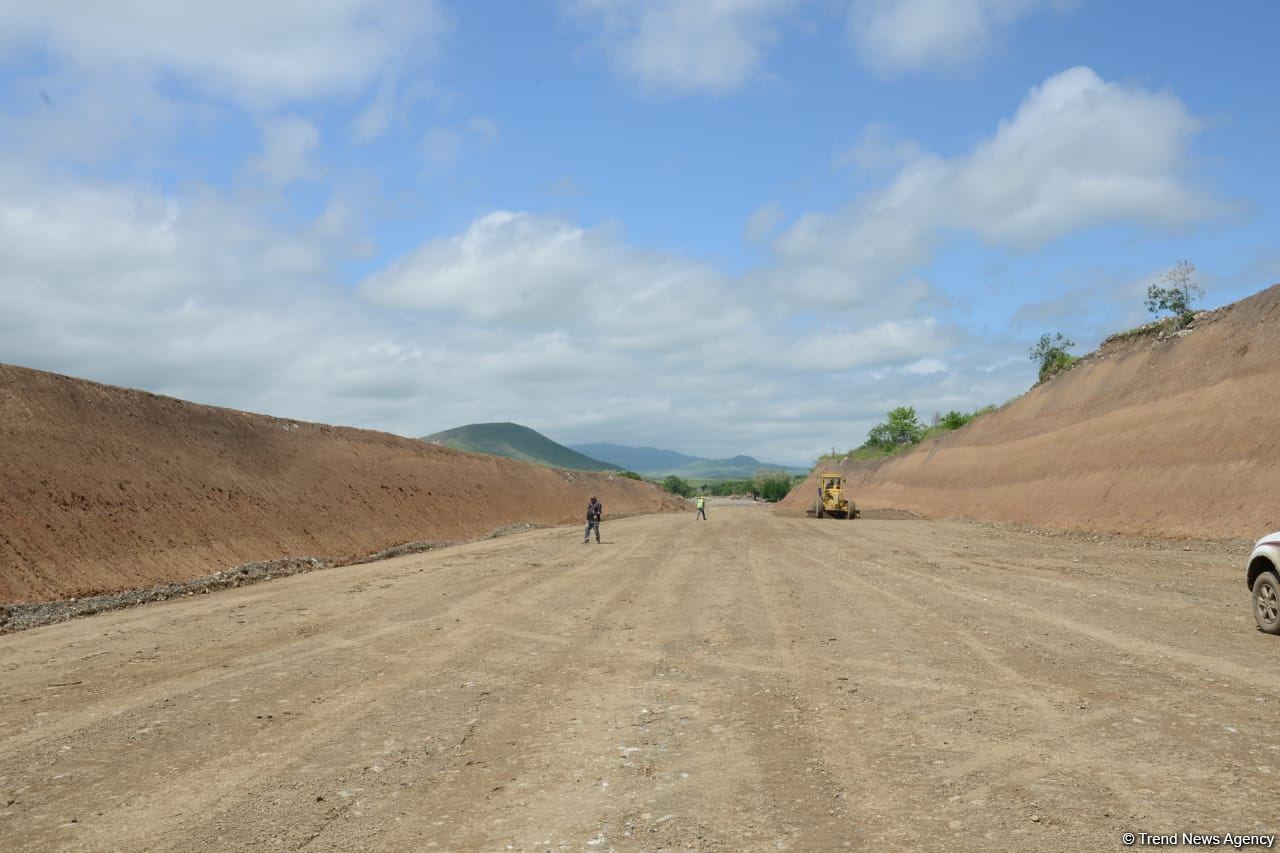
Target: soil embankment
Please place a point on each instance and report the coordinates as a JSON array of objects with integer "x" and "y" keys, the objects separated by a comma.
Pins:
[
  {"x": 107, "y": 488},
  {"x": 1172, "y": 437}
]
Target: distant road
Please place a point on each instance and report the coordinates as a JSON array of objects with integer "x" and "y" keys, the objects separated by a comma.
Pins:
[{"x": 749, "y": 682}]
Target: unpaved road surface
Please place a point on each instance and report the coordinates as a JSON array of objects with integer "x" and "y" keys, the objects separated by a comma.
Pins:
[{"x": 750, "y": 682}]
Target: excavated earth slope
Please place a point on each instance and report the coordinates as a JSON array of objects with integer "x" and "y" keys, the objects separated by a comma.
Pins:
[
  {"x": 1168, "y": 437},
  {"x": 107, "y": 488}
]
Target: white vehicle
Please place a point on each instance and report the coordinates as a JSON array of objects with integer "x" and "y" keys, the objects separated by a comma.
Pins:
[{"x": 1264, "y": 579}]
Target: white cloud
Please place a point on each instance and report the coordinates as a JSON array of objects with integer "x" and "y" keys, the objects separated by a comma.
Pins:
[
  {"x": 519, "y": 317},
  {"x": 704, "y": 47},
  {"x": 518, "y": 270},
  {"x": 251, "y": 52},
  {"x": 914, "y": 35},
  {"x": 926, "y": 367},
  {"x": 878, "y": 150},
  {"x": 1079, "y": 152},
  {"x": 288, "y": 144},
  {"x": 887, "y": 343}
]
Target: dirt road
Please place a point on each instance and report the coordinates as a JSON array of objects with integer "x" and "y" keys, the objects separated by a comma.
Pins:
[{"x": 750, "y": 682}]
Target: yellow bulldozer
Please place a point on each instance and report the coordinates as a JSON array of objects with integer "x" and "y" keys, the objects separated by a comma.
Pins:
[{"x": 831, "y": 502}]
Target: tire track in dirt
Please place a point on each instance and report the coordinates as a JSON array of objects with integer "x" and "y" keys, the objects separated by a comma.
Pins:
[
  {"x": 1165, "y": 719},
  {"x": 377, "y": 664}
]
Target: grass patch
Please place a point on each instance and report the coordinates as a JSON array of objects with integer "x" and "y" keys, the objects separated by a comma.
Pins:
[{"x": 1167, "y": 326}]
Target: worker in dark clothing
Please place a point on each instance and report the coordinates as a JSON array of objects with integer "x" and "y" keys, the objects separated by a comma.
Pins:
[{"x": 595, "y": 509}]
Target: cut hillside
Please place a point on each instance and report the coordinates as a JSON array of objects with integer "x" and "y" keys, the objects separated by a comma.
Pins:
[
  {"x": 108, "y": 488},
  {"x": 517, "y": 442},
  {"x": 1150, "y": 435}
]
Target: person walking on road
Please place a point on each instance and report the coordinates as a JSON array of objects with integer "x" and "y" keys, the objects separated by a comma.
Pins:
[
  {"x": 595, "y": 509},
  {"x": 702, "y": 508}
]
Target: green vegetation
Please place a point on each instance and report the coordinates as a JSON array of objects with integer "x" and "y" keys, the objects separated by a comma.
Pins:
[
  {"x": 517, "y": 442},
  {"x": 1176, "y": 293},
  {"x": 630, "y": 475},
  {"x": 767, "y": 485},
  {"x": 773, "y": 485},
  {"x": 901, "y": 429},
  {"x": 1052, "y": 356},
  {"x": 725, "y": 488},
  {"x": 677, "y": 486},
  {"x": 1168, "y": 324}
]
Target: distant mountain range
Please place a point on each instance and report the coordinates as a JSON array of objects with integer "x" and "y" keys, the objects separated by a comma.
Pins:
[
  {"x": 642, "y": 460},
  {"x": 517, "y": 442},
  {"x": 656, "y": 462}
]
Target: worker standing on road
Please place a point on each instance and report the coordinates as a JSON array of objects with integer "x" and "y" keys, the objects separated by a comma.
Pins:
[
  {"x": 702, "y": 508},
  {"x": 595, "y": 509}
]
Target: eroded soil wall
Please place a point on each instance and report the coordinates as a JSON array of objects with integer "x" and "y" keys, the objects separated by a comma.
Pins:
[
  {"x": 105, "y": 488},
  {"x": 1173, "y": 437}
]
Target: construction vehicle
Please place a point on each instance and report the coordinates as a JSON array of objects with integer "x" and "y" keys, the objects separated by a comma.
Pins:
[{"x": 831, "y": 502}]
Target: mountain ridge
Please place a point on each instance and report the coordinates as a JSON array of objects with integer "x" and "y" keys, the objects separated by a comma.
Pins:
[
  {"x": 659, "y": 462},
  {"x": 516, "y": 441}
]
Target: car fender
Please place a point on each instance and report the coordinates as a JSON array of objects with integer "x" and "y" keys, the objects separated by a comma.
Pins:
[{"x": 1265, "y": 557}]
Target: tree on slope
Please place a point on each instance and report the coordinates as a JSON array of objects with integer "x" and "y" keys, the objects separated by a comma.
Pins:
[
  {"x": 1051, "y": 354},
  {"x": 1176, "y": 293},
  {"x": 901, "y": 429}
]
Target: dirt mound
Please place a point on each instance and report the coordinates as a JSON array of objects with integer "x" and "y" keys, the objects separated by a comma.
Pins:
[
  {"x": 108, "y": 488},
  {"x": 1173, "y": 436}
]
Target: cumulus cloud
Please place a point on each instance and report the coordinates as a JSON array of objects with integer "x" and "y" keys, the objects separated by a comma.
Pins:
[
  {"x": 936, "y": 35},
  {"x": 517, "y": 316},
  {"x": 888, "y": 343},
  {"x": 1078, "y": 152},
  {"x": 705, "y": 47},
  {"x": 518, "y": 270},
  {"x": 255, "y": 53}
]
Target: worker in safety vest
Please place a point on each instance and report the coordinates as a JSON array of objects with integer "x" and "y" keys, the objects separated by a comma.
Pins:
[{"x": 702, "y": 508}]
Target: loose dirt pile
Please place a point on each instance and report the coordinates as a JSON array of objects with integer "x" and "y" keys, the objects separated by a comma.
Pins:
[
  {"x": 108, "y": 488},
  {"x": 1169, "y": 437}
]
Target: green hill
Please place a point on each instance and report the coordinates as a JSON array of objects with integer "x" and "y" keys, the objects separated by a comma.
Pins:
[
  {"x": 735, "y": 468},
  {"x": 655, "y": 462},
  {"x": 517, "y": 442}
]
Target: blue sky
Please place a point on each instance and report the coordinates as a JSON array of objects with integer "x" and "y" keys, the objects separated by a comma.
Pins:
[{"x": 720, "y": 227}]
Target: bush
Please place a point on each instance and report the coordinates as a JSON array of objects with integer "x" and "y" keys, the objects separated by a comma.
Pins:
[
  {"x": 902, "y": 429},
  {"x": 630, "y": 475},
  {"x": 725, "y": 488},
  {"x": 954, "y": 420},
  {"x": 677, "y": 486},
  {"x": 1051, "y": 354},
  {"x": 1180, "y": 290},
  {"x": 772, "y": 485}
]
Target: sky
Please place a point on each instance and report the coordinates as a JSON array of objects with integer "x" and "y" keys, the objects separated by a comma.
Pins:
[{"x": 719, "y": 227}]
